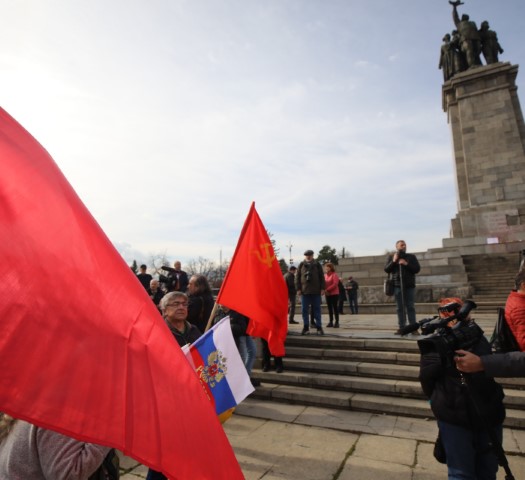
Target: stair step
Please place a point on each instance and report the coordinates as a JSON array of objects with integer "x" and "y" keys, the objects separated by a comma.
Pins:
[
  {"x": 362, "y": 402},
  {"x": 380, "y": 386},
  {"x": 348, "y": 383},
  {"x": 376, "y": 344},
  {"x": 370, "y": 374},
  {"x": 378, "y": 370},
  {"x": 353, "y": 355}
]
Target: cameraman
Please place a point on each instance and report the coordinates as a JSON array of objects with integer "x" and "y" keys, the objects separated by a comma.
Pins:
[
  {"x": 403, "y": 266},
  {"x": 465, "y": 406}
]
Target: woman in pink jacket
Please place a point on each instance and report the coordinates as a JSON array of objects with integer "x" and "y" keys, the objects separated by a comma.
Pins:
[{"x": 332, "y": 294}]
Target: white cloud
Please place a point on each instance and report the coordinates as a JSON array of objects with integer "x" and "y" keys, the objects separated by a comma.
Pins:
[{"x": 170, "y": 118}]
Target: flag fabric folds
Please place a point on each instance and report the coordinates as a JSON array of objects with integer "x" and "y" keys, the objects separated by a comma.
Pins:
[
  {"x": 83, "y": 350},
  {"x": 254, "y": 285},
  {"x": 221, "y": 370}
]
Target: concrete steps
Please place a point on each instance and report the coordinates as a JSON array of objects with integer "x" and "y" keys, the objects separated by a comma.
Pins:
[
  {"x": 370, "y": 375},
  {"x": 491, "y": 276}
]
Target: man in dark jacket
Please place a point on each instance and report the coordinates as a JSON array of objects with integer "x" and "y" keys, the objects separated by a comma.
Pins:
[
  {"x": 403, "y": 267},
  {"x": 289, "y": 278},
  {"x": 310, "y": 283},
  {"x": 351, "y": 288},
  {"x": 179, "y": 277},
  {"x": 155, "y": 293},
  {"x": 144, "y": 278}
]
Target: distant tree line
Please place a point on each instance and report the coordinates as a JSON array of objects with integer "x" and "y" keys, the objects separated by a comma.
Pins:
[{"x": 215, "y": 272}]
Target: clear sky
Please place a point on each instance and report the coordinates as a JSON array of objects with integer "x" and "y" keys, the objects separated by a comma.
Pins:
[{"x": 169, "y": 117}]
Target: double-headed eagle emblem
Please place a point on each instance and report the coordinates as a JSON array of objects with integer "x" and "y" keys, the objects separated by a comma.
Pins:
[{"x": 214, "y": 370}]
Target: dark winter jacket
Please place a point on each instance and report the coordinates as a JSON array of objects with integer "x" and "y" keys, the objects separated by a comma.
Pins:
[
  {"x": 510, "y": 364},
  {"x": 200, "y": 307},
  {"x": 156, "y": 297},
  {"x": 408, "y": 272},
  {"x": 239, "y": 325},
  {"x": 189, "y": 335},
  {"x": 289, "y": 278},
  {"x": 467, "y": 400},
  {"x": 309, "y": 278}
]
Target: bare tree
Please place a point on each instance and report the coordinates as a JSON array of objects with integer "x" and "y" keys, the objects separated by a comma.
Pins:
[
  {"x": 276, "y": 250},
  {"x": 158, "y": 260},
  {"x": 201, "y": 266}
]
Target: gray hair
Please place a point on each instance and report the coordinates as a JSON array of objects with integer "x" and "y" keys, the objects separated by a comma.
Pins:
[{"x": 166, "y": 299}]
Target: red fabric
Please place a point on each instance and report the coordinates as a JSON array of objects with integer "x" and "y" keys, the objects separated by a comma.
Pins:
[
  {"x": 83, "y": 350},
  {"x": 515, "y": 316},
  {"x": 254, "y": 285}
]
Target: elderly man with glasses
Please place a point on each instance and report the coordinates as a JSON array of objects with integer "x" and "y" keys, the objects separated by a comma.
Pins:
[{"x": 174, "y": 307}]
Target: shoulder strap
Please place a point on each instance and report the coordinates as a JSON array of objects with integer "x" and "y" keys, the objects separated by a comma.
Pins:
[{"x": 503, "y": 340}]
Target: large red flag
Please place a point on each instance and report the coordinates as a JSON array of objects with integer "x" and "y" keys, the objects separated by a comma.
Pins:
[
  {"x": 83, "y": 350},
  {"x": 254, "y": 285}
]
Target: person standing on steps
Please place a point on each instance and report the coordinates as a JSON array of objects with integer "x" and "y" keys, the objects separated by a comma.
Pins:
[
  {"x": 289, "y": 278},
  {"x": 352, "y": 287},
  {"x": 331, "y": 280},
  {"x": 342, "y": 297},
  {"x": 310, "y": 284},
  {"x": 403, "y": 267}
]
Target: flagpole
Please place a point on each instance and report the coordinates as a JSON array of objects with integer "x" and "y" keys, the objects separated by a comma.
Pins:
[{"x": 212, "y": 316}]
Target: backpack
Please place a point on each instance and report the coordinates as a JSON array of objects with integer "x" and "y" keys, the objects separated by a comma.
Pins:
[
  {"x": 109, "y": 470},
  {"x": 502, "y": 340}
]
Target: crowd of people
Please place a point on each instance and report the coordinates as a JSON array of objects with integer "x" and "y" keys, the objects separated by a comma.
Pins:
[{"x": 464, "y": 397}]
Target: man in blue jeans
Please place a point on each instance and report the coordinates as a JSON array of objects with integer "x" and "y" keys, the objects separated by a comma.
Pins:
[
  {"x": 403, "y": 267},
  {"x": 310, "y": 284}
]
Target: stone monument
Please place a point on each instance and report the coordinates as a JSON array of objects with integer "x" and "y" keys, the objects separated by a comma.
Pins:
[
  {"x": 480, "y": 258},
  {"x": 488, "y": 135}
]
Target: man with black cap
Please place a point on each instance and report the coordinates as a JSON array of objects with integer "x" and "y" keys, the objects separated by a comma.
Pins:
[
  {"x": 309, "y": 282},
  {"x": 144, "y": 278},
  {"x": 289, "y": 278}
]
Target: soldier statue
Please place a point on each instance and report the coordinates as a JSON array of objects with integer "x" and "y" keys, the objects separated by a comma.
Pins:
[
  {"x": 489, "y": 43},
  {"x": 470, "y": 42}
]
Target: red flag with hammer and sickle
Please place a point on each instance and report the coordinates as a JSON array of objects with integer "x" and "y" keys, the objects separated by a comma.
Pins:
[{"x": 254, "y": 285}]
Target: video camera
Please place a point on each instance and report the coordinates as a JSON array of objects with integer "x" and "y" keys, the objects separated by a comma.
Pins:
[
  {"x": 447, "y": 339},
  {"x": 307, "y": 272},
  {"x": 169, "y": 279}
]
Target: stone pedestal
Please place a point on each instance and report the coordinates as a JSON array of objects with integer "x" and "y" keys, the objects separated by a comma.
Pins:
[{"x": 488, "y": 136}]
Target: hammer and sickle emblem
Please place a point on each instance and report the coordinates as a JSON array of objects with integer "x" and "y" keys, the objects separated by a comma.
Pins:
[{"x": 268, "y": 257}]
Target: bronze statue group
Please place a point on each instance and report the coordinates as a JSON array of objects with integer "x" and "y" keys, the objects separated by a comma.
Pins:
[{"x": 462, "y": 48}]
